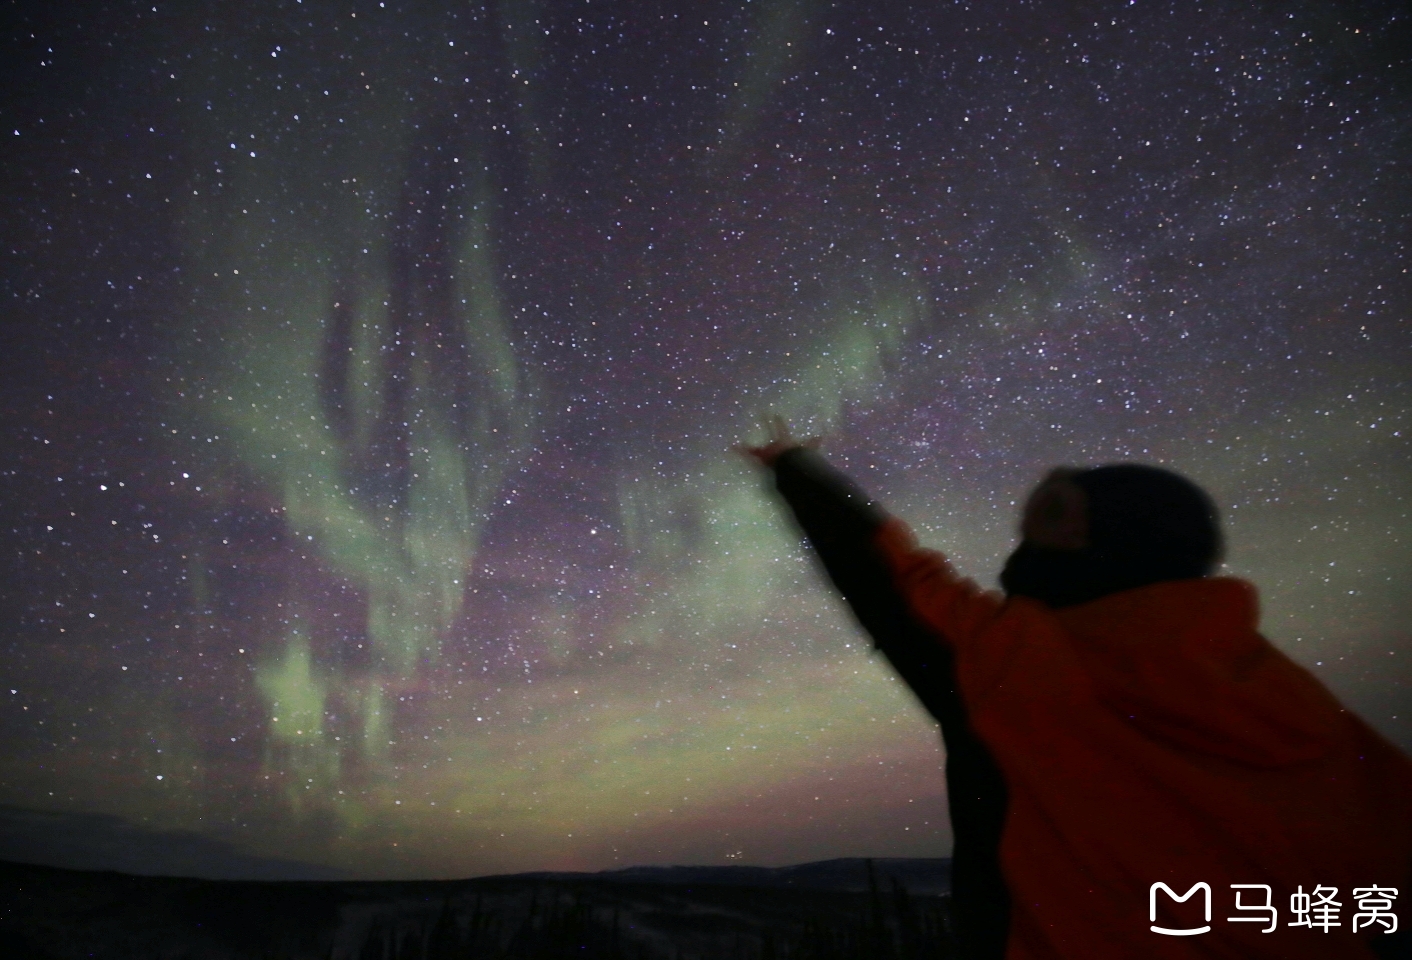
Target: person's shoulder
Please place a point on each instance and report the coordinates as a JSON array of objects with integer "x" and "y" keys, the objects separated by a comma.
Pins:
[
  {"x": 1230, "y": 602},
  {"x": 955, "y": 605}
]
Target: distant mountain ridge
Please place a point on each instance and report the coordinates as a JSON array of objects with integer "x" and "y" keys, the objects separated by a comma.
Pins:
[{"x": 920, "y": 875}]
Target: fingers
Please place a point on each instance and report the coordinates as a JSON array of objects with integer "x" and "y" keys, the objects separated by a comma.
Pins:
[
  {"x": 776, "y": 429},
  {"x": 781, "y": 429},
  {"x": 761, "y": 456},
  {"x": 779, "y": 440}
]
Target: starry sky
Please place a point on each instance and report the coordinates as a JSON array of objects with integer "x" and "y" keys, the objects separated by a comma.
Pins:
[{"x": 370, "y": 372}]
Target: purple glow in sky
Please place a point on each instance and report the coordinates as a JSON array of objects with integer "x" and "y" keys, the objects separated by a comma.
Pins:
[{"x": 371, "y": 368}]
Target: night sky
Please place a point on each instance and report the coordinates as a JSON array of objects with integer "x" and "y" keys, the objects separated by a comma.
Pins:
[{"x": 370, "y": 372}]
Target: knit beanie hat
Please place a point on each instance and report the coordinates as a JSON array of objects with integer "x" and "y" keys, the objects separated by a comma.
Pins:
[
  {"x": 1145, "y": 525},
  {"x": 1158, "y": 521}
]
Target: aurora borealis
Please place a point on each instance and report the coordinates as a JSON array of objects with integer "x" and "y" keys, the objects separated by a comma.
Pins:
[{"x": 371, "y": 371}]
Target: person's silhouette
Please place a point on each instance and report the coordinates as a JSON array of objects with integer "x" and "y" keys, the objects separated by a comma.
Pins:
[{"x": 1114, "y": 722}]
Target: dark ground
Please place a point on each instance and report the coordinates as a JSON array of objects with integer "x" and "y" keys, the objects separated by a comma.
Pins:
[{"x": 836, "y": 909}]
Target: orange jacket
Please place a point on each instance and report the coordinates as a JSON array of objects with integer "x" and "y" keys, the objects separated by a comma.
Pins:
[{"x": 1154, "y": 736}]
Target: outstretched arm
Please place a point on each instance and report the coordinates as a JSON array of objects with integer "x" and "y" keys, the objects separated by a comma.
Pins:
[{"x": 843, "y": 525}]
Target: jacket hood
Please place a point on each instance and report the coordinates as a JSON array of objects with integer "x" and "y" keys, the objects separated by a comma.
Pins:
[{"x": 1183, "y": 661}]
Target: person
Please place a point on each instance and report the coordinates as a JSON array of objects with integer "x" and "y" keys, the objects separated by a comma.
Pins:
[{"x": 1123, "y": 748}]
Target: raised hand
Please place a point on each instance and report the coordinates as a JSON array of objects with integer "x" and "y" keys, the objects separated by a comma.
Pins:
[{"x": 780, "y": 441}]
